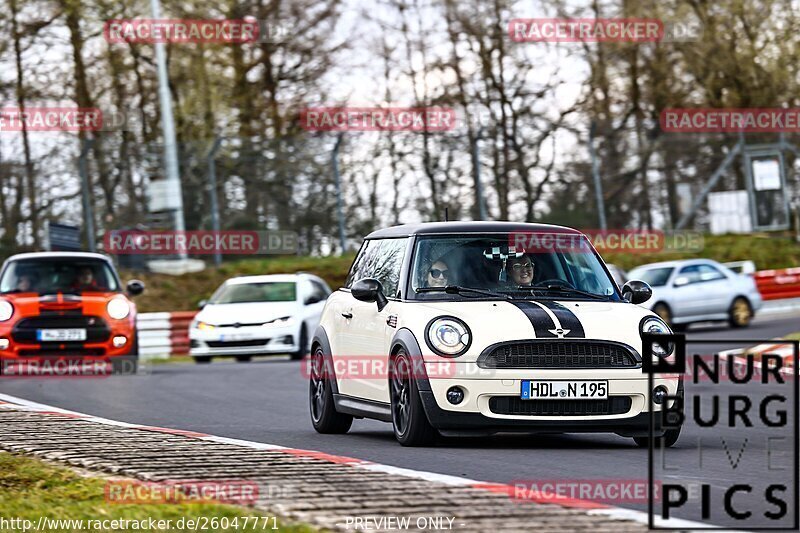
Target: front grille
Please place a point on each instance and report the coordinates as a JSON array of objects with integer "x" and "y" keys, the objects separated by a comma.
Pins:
[
  {"x": 68, "y": 350},
  {"x": 512, "y": 405},
  {"x": 237, "y": 344},
  {"x": 25, "y": 330},
  {"x": 559, "y": 354}
]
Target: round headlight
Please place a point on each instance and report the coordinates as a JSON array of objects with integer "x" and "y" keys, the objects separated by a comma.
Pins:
[
  {"x": 118, "y": 308},
  {"x": 656, "y": 326},
  {"x": 6, "y": 310},
  {"x": 448, "y": 336}
]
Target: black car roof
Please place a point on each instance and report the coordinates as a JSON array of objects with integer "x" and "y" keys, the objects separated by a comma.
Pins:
[{"x": 449, "y": 228}]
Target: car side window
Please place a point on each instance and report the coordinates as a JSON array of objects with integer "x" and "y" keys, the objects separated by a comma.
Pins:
[
  {"x": 318, "y": 291},
  {"x": 691, "y": 273},
  {"x": 701, "y": 273},
  {"x": 359, "y": 270},
  {"x": 709, "y": 273},
  {"x": 382, "y": 260}
]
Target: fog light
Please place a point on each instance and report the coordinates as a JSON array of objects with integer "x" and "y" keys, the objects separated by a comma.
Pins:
[
  {"x": 455, "y": 395},
  {"x": 4, "y": 344},
  {"x": 119, "y": 341},
  {"x": 659, "y": 394},
  {"x": 288, "y": 339}
]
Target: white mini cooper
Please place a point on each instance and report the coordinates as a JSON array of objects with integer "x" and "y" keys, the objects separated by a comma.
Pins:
[{"x": 474, "y": 328}]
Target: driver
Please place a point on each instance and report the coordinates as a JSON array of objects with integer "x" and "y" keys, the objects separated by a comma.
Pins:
[
  {"x": 85, "y": 279},
  {"x": 520, "y": 271}
]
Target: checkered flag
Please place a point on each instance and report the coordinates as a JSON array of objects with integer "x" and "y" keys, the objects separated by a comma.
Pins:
[{"x": 496, "y": 254}]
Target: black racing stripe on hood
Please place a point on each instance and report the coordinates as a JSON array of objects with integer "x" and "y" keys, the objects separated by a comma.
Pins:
[
  {"x": 540, "y": 320},
  {"x": 567, "y": 318}
]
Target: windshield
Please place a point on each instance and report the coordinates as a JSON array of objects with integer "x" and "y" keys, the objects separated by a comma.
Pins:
[
  {"x": 531, "y": 267},
  {"x": 51, "y": 276},
  {"x": 655, "y": 277},
  {"x": 237, "y": 293}
]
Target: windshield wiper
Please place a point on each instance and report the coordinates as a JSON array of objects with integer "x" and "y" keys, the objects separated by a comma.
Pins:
[
  {"x": 458, "y": 289},
  {"x": 570, "y": 290}
]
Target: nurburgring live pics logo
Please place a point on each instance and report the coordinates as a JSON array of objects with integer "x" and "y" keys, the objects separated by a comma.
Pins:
[{"x": 744, "y": 421}]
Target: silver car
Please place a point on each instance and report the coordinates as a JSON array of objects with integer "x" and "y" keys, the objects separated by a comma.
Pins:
[{"x": 699, "y": 290}]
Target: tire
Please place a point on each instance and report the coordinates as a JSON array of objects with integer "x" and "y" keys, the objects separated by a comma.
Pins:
[
  {"x": 135, "y": 345},
  {"x": 409, "y": 421},
  {"x": 243, "y": 358},
  {"x": 663, "y": 311},
  {"x": 740, "y": 314},
  {"x": 202, "y": 359},
  {"x": 303, "y": 344},
  {"x": 324, "y": 416}
]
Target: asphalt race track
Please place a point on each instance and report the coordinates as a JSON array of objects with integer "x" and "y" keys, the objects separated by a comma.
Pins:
[{"x": 266, "y": 401}]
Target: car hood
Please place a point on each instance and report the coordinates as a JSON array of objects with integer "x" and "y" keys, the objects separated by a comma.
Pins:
[
  {"x": 501, "y": 321},
  {"x": 245, "y": 313}
]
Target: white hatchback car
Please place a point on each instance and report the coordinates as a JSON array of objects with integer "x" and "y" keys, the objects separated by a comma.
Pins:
[
  {"x": 699, "y": 290},
  {"x": 256, "y": 315},
  {"x": 464, "y": 328}
]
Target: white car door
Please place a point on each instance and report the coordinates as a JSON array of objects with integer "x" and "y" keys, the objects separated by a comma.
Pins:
[{"x": 363, "y": 341}]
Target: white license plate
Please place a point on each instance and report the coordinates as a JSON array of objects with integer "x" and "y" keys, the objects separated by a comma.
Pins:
[
  {"x": 61, "y": 335},
  {"x": 233, "y": 337},
  {"x": 564, "y": 390}
]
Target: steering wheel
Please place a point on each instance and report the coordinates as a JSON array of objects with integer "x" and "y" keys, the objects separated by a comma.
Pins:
[{"x": 554, "y": 281}]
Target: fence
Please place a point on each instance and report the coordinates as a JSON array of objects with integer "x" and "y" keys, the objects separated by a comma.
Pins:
[{"x": 164, "y": 334}]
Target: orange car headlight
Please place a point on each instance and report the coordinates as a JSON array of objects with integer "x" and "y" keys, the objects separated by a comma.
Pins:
[
  {"x": 6, "y": 310},
  {"x": 118, "y": 308}
]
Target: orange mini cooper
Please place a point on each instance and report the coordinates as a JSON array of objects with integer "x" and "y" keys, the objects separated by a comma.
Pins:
[{"x": 66, "y": 305}]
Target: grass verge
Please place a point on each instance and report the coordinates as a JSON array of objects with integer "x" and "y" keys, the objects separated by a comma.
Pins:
[{"x": 30, "y": 489}]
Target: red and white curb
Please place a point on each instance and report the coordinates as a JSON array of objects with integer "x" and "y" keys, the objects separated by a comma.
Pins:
[
  {"x": 784, "y": 350},
  {"x": 590, "y": 507}
]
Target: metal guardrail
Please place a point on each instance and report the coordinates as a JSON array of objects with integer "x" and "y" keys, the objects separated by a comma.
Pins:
[{"x": 778, "y": 284}]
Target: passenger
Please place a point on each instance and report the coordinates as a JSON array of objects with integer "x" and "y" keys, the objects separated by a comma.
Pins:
[
  {"x": 521, "y": 270},
  {"x": 25, "y": 283}
]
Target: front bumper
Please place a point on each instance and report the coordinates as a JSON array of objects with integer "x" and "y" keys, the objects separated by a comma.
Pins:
[
  {"x": 243, "y": 341},
  {"x": 474, "y": 415},
  {"x": 104, "y": 348}
]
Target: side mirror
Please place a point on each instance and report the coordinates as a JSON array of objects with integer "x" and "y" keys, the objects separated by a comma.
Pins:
[
  {"x": 202, "y": 303},
  {"x": 680, "y": 281},
  {"x": 369, "y": 290},
  {"x": 636, "y": 292},
  {"x": 135, "y": 287}
]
